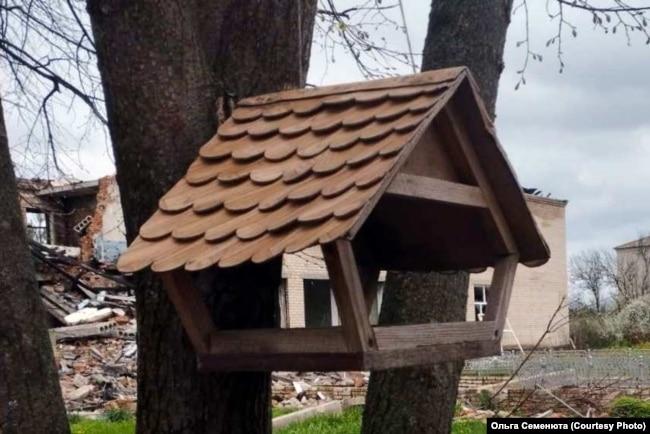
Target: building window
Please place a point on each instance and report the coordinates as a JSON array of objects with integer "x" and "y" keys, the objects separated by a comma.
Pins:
[
  {"x": 480, "y": 301},
  {"x": 37, "y": 226},
  {"x": 318, "y": 303}
]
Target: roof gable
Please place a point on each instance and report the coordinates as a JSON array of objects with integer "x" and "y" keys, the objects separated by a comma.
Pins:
[{"x": 293, "y": 169}]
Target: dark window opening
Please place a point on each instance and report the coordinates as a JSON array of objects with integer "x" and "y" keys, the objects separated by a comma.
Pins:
[
  {"x": 318, "y": 305},
  {"x": 37, "y": 226}
]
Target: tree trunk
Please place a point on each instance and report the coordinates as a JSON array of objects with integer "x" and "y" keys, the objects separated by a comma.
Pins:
[
  {"x": 422, "y": 400},
  {"x": 30, "y": 396},
  {"x": 470, "y": 33},
  {"x": 170, "y": 73}
]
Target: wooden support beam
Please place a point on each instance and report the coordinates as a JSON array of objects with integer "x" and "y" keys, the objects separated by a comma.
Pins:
[
  {"x": 278, "y": 341},
  {"x": 458, "y": 131},
  {"x": 422, "y": 335},
  {"x": 348, "y": 293},
  {"x": 422, "y": 187},
  {"x": 256, "y": 362},
  {"x": 348, "y": 361},
  {"x": 500, "y": 291},
  {"x": 399, "y": 358},
  {"x": 191, "y": 308}
]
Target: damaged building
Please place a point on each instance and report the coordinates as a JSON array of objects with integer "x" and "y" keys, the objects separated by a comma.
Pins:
[{"x": 84, "y": 215}]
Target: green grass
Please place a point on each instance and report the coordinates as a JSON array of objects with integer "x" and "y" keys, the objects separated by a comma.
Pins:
[
  {"x": 348, "y": 422},
  {"x": 281, "y": 411},
  {"x": 87, "y": 426},
  {"x": 468, "y": 427}
]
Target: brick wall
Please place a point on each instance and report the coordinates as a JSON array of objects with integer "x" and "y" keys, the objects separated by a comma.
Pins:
[{"x": 537, "y": 291}]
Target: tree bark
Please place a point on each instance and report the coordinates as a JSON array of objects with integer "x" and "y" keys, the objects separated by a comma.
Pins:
[
  {"x": 171, "y": 72},
  {"x": 422, "y": 400},
  {"x": 30, "y": 396},
  {"x": 470, "y": 33}
]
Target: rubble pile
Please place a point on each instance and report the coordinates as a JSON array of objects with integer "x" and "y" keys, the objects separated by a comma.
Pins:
[
  {"x": 304, "y": 389},
  {"x": 92, "y": 312},
  {"x": 98, "y": 374}
]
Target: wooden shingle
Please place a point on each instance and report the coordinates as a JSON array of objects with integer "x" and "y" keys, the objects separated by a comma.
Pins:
[{"x": 290, "y": 170}]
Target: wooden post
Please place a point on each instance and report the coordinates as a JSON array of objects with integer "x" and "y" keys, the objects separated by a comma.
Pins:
[
  {"x": 500, "y": 291},
  {"x": 191, "y": 308},
  {"x": 348, "y": 293},
  {"x": 458, "y": 131}
]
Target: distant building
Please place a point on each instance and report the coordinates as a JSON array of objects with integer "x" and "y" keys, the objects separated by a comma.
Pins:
[
  {"x": 633, "y": 267},
  {"x": 306, "y": 299}
]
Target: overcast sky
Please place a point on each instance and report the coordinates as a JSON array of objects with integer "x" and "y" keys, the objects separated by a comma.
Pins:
[{"x": 583, "y": 135}]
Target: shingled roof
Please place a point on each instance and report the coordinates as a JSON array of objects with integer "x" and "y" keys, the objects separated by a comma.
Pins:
[{"x": 290, "y": 170}]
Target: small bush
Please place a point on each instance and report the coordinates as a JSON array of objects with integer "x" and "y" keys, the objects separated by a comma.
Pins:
[
  {"x": 590, "y": 330},
  {"x": 627, "y": 406},
  {"x": 485, "y": 401},
  {"x": 632, "y": 323}
]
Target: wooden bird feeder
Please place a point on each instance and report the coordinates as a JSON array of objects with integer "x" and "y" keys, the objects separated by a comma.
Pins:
[{"x": 398, "y": 174}]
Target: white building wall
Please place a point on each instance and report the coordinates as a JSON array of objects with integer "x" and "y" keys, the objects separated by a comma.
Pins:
[{"x": 536, "y": 293}]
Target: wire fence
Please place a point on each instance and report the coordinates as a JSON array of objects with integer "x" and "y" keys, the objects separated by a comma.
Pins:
[{"x": 591, "y": 368}]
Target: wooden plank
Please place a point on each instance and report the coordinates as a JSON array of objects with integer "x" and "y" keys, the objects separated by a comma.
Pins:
[
  {"x": 500, "y": 291},
  {"x": 278, "y": 341},
  {"x": 190, "y": 307},
  {"x": 54, "y": 310},
  {"x": 438, "y": 190},
  {"x": 348, "y": 361},
  {"x": 348, "y": 293},
  {"x": 459, "y": 132},
  {"x": 281, "y": 362},
  {"x": 379, "y": 360},
  {"x": 419, "y": 335}
]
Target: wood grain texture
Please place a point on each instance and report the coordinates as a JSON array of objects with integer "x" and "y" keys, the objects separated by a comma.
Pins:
[
  {"x": 348, "y": 293},
  {"x": 500, "y": 291},
  {"x": 191, "y": 308},
  {"x": 436, "y": 190}
]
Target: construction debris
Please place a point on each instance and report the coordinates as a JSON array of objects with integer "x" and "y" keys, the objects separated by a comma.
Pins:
[
  {"x": 98, "y": 374},
  {"x": 305, "y": 389},
  {"x": 92, "y": 309}
]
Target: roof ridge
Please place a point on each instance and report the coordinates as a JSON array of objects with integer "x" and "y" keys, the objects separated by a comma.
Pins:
[
  {"x": 427, "y": 77},
  {"x": 639, "y": 242}
]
